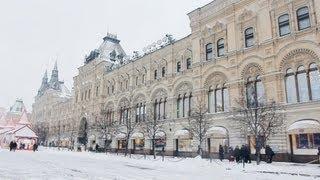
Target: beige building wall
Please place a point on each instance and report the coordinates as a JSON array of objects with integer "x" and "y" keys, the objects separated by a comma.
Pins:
[{"x": 269, "y": 57}]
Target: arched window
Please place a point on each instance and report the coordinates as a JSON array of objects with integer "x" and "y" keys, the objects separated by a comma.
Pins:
[
  {"x": 179, "y": 107},
  {"x": 189, "y": 63},
  {"x": 178, "y": 66},
  {"x": 314, "y": 76},
  {"x": 284, "y": 26},
  {"x": 255, "y": 92},
  {"x": 140, "y": 112},
  {"x": 160, "y": 109},
  {"x": 220, "y": 47},
  {"x": 184, "y": 105},
  {"x": 218, "y": 99},
  {"x": 163, "y": 72},
  {"x": 302, "y": 84},
  {"x": 291, "y": 89},
  {"x": 249, "y": 37},
  {"x": 303, "y": 18},
  {"x": 137, "y": 80},
  {"x": 155, "y": 74},
  {"x": 143, "y": 79},
  {"x": 209, "y": 51}
]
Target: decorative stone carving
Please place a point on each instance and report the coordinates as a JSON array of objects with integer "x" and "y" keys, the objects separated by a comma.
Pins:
[
  {"x": 252, "y": 70},
  {"x": 298, "y": 57},
  {"x": 219, "y": 26},
  {"x": 184, "y": 87},
  {"x": 246, "y": 15},
  {"x": 160, "y": 93},
  {"x": 215, "y": 79}
]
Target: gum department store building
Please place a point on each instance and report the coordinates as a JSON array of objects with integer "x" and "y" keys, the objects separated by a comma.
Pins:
[{"x": 271, "y": 45}]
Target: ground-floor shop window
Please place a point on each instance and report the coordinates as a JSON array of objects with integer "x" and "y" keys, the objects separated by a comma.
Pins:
[
  {"x": 215, "y": 143},
  {"x": 138, "y": 144},
  {"x": 308, "y": 141},
  {"x": 122, "y": 144},
  {"x": 159, "y": 143},
  {"x": 184, "y": 145}
]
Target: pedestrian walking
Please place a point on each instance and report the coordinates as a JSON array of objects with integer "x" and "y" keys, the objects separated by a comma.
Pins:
[
  {"x": 237, "y": 154},
  {"x": 269, "y": 154},
  {"x": 14, "y": 146},
  {"x": 97, "y": 147},
  {"x": 221, "y": 152},
  {"x": 35, "y": 147},
  {"x": 243, "y": 155},
  {"x": 231, "y": 154},
  {"x": 11, "y": 145}
]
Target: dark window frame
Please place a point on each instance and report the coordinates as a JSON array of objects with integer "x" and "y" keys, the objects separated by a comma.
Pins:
[
  {"x": 249, "y": 36},
  {"x": 283, "y": 24},
  {"x": 302, "y": 17}
]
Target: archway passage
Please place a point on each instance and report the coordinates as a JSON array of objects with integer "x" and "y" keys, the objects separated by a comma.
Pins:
[{"x": 83, "y": 134}]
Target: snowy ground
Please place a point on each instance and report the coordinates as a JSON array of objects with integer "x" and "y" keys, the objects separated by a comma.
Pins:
[{"x": 53, "y": 164}]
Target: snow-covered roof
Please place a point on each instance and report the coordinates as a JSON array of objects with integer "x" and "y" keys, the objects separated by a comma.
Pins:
[
  {"x": 182, "y": 134},
  {"x": 5, "y": 130},
  {"x": 160, "y": 134},
  {"x": 120, "y": 136},
  {"x": 65, "y": 92},
  {"x": 24, "y": 131},
  {"x": 304, "y": 126},
  {"x": 137, "y": 135},
  {"x": 18, "y": 107},
  {"x": 110, "y": 50},
  {"x": 217, "y": 131},
  {"x": 24, "y": 119}
]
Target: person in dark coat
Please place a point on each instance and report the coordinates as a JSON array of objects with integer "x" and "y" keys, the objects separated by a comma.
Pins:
[
  {"x": 221, "y": 153},
  {"x": 269, "y": 154},
  {"x": 14, "y": 146},
  {"x": 35, "y": 147},
  {"x": 97, "y": 147},
  {"x": 11, "y": 145},
  {"x": 231, "y": 154},
  {"x": 243, "y": 154},
  {"x": 237, "y": 154}
]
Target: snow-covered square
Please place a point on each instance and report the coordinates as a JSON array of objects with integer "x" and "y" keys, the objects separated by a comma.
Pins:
[{"x": 54, "y": 164}]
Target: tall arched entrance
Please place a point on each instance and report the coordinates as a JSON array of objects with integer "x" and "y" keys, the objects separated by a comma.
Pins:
[{"x": 83, "y": 132}]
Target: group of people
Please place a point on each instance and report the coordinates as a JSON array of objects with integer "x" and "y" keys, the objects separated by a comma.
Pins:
[
  {"x": 243, "y": 154},
  {"x": 13, "y": 146}
]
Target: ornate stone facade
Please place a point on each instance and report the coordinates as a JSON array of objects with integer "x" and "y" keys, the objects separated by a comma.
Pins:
[{"x": 231, "y": 42}]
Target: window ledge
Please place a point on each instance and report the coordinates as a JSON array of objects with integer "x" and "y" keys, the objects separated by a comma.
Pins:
[{"x": 303, "y": 103}]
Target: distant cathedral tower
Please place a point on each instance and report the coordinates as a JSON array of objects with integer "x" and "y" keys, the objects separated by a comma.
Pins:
[
  {"x": 44, "y": 84},
  {"x": 54, "y": 81}
]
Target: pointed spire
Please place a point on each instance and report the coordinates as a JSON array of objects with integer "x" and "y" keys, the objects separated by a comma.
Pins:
[
  {"x": 54, "y": 80},
  {"x": 45, "y": 77},
  {"x": 24, "y": 119},
  {"x": 55, "y": 66}
]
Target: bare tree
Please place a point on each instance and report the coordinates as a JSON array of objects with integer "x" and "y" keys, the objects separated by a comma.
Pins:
[
  {"x": 151, "y": 126},
  {"x": 105, "y": 126},
  {"x": 127, "y": 127},
  {"x": 198, "y": 123},
  {"x": 71, "y": 135},
  {"x": 259, "y": 120},
  {"x": 41, "y": 130}
]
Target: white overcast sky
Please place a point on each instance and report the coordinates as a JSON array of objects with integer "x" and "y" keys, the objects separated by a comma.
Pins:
[{"x": 33, "y": 33}]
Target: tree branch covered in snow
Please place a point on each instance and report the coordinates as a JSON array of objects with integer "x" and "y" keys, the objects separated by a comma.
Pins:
[
  {"x": 198, "y": 123},
  {"x": 259, "y": 121},
  {"x": 151, "y": 126}
]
